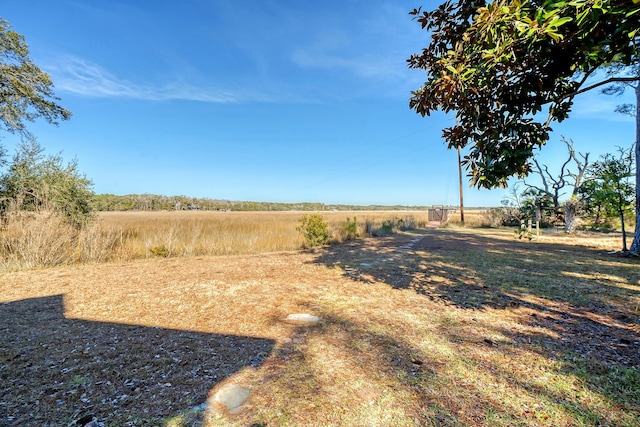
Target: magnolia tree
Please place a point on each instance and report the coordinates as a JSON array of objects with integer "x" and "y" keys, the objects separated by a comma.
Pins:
[{"x": 499, "y": 65}]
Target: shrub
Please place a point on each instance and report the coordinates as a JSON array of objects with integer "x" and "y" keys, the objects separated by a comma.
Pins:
[
  {"x": 314, "y": 229},
  {"x": 496, "y": 217},
  {"x": 369, "y": 227},
  {"x": 350, "y": 229},
  {"x": 388, "y": 227},
  {"x": 160, "y": 250},
  {"x": 165, "y": 242},
  {"x": 408, "y": 223},
  {"x": 35, "y": 182}
]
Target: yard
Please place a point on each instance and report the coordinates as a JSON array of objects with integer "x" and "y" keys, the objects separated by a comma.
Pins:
[{"x": 444, "y": 327}]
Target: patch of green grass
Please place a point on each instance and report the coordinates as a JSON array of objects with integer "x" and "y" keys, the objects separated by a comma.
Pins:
[{"x": 80, "y": 380}]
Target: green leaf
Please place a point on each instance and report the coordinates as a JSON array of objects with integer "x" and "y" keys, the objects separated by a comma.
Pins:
[
  {"x": 633, "y": 12},
  {"x": 561, "y": 21}
]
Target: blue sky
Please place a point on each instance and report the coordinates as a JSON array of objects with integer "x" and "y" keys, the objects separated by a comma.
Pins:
[{"x": 284, "y": 101}]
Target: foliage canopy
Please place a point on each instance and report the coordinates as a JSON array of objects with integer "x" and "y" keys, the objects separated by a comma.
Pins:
[
  {"x": 26, "y": 92},
  {"x": 499, "y": 64}
]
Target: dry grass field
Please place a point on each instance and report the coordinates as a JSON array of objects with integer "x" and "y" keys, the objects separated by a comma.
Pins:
[
  {"x": 444, "y": 327},
  {"x": 225, "y": 233},
  {"x": 34, "y": 240}
]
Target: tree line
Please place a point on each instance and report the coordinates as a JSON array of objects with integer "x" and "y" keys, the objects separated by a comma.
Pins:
[
  {"x": 34, "y": 181},
  {"x": 154, "y": 202}
]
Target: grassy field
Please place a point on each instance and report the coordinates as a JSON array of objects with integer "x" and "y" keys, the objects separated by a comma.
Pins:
[
  {"x": 34, "y": 240},
  {"x": 445, "y": 327},
  {"x": 227, "y": 233}
]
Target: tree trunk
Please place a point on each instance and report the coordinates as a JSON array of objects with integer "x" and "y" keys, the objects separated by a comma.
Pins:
[
  {"x": 635, "y": 246},
  {"x": 570, "y": 217},
  {"x": 624, "y": 232}
]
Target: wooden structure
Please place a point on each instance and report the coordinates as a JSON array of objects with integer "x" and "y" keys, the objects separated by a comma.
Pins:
[{"x": 440, "y": 213}]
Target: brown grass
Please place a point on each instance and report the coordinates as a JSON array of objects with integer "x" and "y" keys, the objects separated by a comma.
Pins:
[
  {"x": 224, "y": 233},
  {"x": 41, "y": 239},
  {"x": 446, "y": 327},
  {"x": 472, "y": 218}
]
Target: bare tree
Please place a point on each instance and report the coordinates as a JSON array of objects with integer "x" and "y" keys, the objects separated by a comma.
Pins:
[{"x": 553, "y": 185}]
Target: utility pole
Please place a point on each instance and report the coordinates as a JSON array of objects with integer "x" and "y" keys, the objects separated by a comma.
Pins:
[{"x": 460, "y": 179}]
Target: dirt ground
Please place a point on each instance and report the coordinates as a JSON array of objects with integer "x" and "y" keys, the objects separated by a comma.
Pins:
[{"x": 140, "y": 341}]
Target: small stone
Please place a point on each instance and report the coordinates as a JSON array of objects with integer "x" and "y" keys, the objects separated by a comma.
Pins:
[
  {"x": 302, "y": 317},
  {"x": 200, "y": 407},
  {"x": 232, "y": 397}
]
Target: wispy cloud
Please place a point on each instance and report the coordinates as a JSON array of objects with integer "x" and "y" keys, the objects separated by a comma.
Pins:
[
  {"x": 594, "y": 104},
  {"x": 366, "y": 66},
  {"x": 373, "y": 51},
  {"x": 82, "y": 77}
]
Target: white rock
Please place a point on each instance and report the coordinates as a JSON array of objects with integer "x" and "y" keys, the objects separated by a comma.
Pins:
[
  {"x": 302, "y": 317},
  {"x": 232, "y": 397}
]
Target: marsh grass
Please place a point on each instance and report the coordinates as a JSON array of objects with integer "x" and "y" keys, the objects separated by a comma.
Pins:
[
  {"x": 474, "y": 218},
  {"x": 34, "y": 239},
  {"x": 189, "y": 233},
  {"x": 41, "y": 239}
]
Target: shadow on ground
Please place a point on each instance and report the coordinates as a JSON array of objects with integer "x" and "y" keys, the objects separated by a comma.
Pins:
[
  {"x": 577, "y": 299},
  {"x": 118, "y": 373},
  {"x": 363, "y": 376}
]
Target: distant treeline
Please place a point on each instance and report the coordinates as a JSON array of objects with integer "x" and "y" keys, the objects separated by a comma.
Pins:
[{"x": 152, "y": 202}]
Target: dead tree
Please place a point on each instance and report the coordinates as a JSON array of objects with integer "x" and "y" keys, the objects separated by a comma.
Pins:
[{"x": 552, "y": 186}]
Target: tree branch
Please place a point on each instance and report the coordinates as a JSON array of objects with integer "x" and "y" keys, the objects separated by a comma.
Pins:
[
  {"x": 604, "y": 82},
  {"x": 582, "y": 166},
  {"x": 588, "y": 88},
  {"x": 542, "y": 177}
]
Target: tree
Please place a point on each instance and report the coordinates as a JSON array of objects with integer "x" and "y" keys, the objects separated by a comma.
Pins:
[
  {"x": 607, "y": 191},
  {"x": 539, "y": 204},
  {"x": 36, "y": 182},
  {"x": 26, "y": 92},
  {"x": 519, "y": 206},
  {"x": 499, "y": 65},
  {"x": 553, "y": 186}
]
